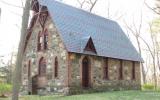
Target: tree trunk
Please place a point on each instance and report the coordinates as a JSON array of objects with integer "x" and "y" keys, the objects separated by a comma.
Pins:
[
  {"x": 153, "y": 58},
  {"x": 157, "y": 53},
  {"x": 158, "y": 60},
  {"x": 155, "y": 75},
  {"x": 17, "y": 73},
  {"x": 140, "y": 52}
]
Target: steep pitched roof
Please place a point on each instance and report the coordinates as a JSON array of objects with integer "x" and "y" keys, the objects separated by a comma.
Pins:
[{"x": 75, "y": 24}]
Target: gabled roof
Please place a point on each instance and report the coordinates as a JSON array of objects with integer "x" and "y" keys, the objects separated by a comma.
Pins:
[
  {"x": 75, "y": 24},
  {"x": 88, "y": 46},
  {"x": 84, "y": 42}
]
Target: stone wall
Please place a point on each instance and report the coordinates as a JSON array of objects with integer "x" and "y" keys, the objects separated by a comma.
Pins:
[
  {"x": 55, "y": 49},
  {"x": 69, "y": 71},
  {"x": 97, "y": 74}
]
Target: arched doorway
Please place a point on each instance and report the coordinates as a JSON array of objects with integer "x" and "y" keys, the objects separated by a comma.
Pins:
[
  {"x": 42, "y": 67},
  {"x": 86, "y": 72},
  {"x": 39, "y": 80},
  {"x": 34, "y": 85}
]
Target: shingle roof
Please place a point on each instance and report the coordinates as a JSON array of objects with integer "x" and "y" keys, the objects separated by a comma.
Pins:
[
  {"x": 84, "y": 42},
  {"x": 76, "y": 24}
]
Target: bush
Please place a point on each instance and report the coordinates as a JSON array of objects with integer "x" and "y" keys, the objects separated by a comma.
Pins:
[
  {"x": 148, "y": 87},
  {"x": 5, "y": 89}
]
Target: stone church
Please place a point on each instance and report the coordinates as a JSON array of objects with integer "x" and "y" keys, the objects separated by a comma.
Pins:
[{"x": 68, "y": 50}]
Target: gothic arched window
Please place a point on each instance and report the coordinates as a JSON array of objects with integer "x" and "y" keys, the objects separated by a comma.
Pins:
[
  {"x": 56, "y": 67},
  {"x": 121, "y": 70},
  {"x": 45, "y": 39},
  {"x": 106, "y": 76},
  {"x": 29, "y": 69},
  {"x": 133, "y": 70},
  {"x": 40, "y": 41}
]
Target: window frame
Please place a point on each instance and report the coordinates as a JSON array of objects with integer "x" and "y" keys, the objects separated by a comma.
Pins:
[
  {"x": 121, "y": 70},
  {"x": 106, "y": 69},
  {"x": 56, "y": 67},
  {"x": 40, "y": 41},
  {"x": 133, "y": 71},
  {"x": 29, "y": 68},
  {"x": 45, "y": 39}
]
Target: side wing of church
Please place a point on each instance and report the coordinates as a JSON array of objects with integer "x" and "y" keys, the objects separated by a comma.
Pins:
[{"x": 68, "y": 50}]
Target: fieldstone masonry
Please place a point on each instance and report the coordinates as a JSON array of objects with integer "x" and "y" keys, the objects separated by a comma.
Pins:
[
  {"x": 97, "y": 77},
  {"x": 69, "y": 67},
  {"x": 55, "y": 49}
]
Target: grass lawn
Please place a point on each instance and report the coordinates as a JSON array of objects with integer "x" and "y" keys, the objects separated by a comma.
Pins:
[{"x": 115, "y": 95}]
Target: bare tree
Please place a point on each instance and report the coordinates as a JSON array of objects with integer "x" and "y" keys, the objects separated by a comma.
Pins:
[
  {"x": 110, "y": 15},
  {"x": 151, "y": 47},
  {"x": 136, "y": 33},
  {"x": 17, "y": 74},
  {"x": 154, "y": 29},
  {"x": 152, "y": 52},
  {"x": 81, "y": 3},
  {"x": 18, "y": 69},
  {"x": 11, "y": 67},
  {"x": 91, "y": 3},
  {"x": 155, "y": 9},
  {"x": 12, "y": 5},
  {"x": 156, "y": 45}
]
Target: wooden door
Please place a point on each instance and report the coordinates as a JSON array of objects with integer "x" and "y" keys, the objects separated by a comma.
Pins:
[
  {"x": 85, "y": 72},
  {"x": 34, "y": 85}
]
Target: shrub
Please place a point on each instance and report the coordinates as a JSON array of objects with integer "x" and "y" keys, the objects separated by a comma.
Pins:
[
  {"x": 5, "y": 89},
  {"x": 148, "y": 87}
]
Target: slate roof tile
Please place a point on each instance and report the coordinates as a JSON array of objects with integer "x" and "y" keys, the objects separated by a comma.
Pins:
[{"x": 75, "y": 24}]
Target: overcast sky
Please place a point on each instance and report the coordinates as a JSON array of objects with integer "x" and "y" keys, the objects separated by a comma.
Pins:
[{"x": 11, "y": 18}]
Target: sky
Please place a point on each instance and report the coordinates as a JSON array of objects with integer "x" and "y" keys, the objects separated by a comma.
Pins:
[
  {"x": 9, "y": 27},
  {"x": 10, "y": 21}
]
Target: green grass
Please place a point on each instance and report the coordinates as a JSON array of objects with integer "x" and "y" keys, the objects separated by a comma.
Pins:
[{"x": 115, "y": 95}]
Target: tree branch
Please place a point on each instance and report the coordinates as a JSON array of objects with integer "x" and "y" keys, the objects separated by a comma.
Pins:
[
  {"x": 153, "y": 9},
  {"x": 6, "y": 3}
]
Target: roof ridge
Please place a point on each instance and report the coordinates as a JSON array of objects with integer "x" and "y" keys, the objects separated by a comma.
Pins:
[
  {"x": 84, "y": 11},
  {"x": 68, "y": 19}
]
